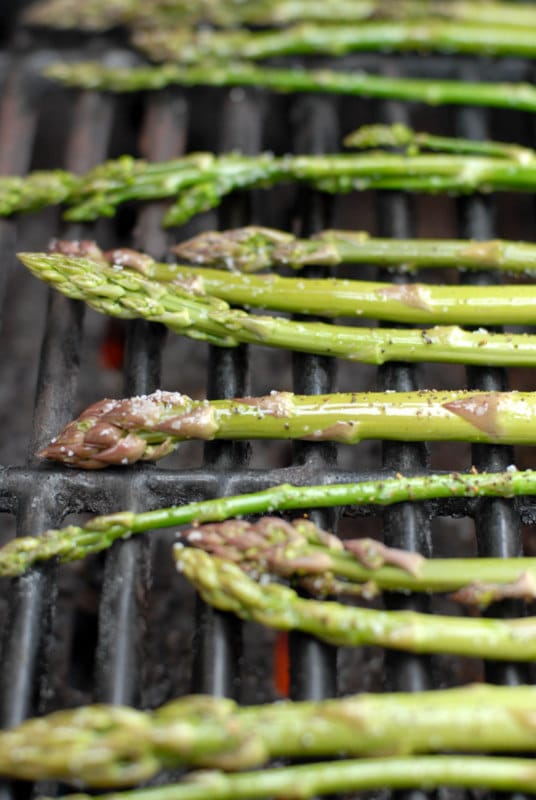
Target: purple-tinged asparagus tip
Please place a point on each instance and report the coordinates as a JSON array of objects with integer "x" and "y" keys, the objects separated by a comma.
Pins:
[{"x": 245, "y": 249}]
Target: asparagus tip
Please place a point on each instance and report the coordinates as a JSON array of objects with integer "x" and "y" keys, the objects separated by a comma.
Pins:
[{"x": 244, "y": 249}]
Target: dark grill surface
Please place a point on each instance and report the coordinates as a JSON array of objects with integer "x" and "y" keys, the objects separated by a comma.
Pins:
[{"x": 122, "y": 627}]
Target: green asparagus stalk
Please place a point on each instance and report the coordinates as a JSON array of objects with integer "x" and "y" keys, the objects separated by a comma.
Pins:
[
  {"x": 94, "y": 75},
  {"x": 199, "y": 181},
  {"x": 146, "y": 428},
  {"x": 399, "y": 135},
  {"x": 98, "y": 15},
  {"x": 324, "y": 565},
  {"x": 416, "y": 303},
  {"x": 412, "y": 303},
  {"x": 426, "y": 772},
  {"x": 225, "y": 586},
  {"x": 117, "y": 746},
  {"x": 186, "y": 46},
  {"x": 74, "y": 543},
  {"x": 254, "y": 248},
  {"x": 187, "y": 310}
]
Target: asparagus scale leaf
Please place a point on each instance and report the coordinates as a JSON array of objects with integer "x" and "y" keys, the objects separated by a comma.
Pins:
[
  {"x": 324, "y": 565},
  {"x": 199, "y": 181},
  {"x": 148, "y": 427},
  {"x": 73, "y": 543},
  {"x": 94, "y": 75},
  {"x": 117, "y": 746},
  {"x": 187, "y": 310},
  {"x": 226, "y": 586},
  {"x": 254, "y": 248}
]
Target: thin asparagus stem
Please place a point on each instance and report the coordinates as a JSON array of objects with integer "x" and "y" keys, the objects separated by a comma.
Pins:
[
  {"x": 187, "y": 310},
  {"x": 426, "y": 772},
  {"x": 324, "y": 565},
  {"x": 225, "y": 586},
  {"x": 94, "y": 75},
  {"x": 309, "y": 38},
  {"x": 74, "y": 543},
  {"x": 254, "y": 248},
  {"x": 100, "y": 15},
  {"x": 118, "y": 746},
  {"x": 115, "y": 432},
  {"x": 200, "y": 181}
]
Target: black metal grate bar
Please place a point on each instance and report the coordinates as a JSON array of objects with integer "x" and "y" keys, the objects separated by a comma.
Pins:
[
  {"x": 32, "y": 596},
  {"x": 126, "y": 576},
  {"x": 18, "y": 118},
  {"x": 497, "y": 522},
  {"x": 404, "y": 525},
  {"x": 218, "y": 637},
  {"x": 313, "y": 665}
]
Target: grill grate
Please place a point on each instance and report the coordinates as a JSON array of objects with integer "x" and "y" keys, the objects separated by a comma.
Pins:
[{"x": 118, "y": 628}]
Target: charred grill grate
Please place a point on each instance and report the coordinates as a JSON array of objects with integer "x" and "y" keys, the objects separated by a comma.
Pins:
[{"x": 118, "y": 628}]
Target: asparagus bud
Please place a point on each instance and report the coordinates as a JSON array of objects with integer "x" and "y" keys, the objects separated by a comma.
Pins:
[{"x": 325, "y": 565}]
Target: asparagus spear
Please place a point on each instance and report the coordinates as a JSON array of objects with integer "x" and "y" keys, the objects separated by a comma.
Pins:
[
  {"x": 114, "y": 432},
  {"x": 73, "y": 543},
  {"x": 199, "y": 181},
  {"x": 309, "y": 38},
  {"x": 94, "y": 75},
  {"x": 428, "y": 772},
  {"x": 418, "y": 303},
  {"x": 331, "y": 297},
  {"x": 225, "y": 586},
  {"x": 116, "y": 746},
  {"x": 100, "y": 15},
  {"x": 186, "y": 310},
  {"x": 323, "y": 564},
  {"x": 253, "y": 248}
]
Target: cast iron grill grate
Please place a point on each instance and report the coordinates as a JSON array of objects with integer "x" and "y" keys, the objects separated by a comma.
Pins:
[{"x": 119, "y": 627}]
